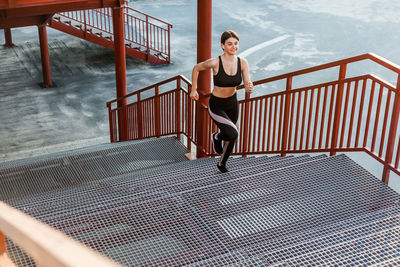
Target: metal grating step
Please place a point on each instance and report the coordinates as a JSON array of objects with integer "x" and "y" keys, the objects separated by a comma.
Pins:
[
  {"x": 238, "y": 218},
  {"x": 372, "y": 249},
  {"x": 77, "y": 151},
  {"x": 319, "y": 238},
  {"x": 143, "y": 187},
  {"x": 84, "y": 166}
]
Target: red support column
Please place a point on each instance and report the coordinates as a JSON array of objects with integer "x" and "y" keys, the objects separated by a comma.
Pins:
[
  {"x": 120, "y": 69},
  {"x": 44, "y": 52},
  {"x": 204, "y": 35},
  {"x": 8, "y": 38},
  {"x": 392, "y": 134}
]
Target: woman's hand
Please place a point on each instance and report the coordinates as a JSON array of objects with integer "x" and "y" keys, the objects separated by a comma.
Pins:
[
  {"x": 249, "y": 87},
  {"x": 194, "y": 95}
]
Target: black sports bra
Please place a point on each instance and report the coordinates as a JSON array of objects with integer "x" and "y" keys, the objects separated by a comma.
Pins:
[{"x": 224, "y": 80}]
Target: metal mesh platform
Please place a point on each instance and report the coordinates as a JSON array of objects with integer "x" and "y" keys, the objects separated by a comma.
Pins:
[
  {"x": 28, "y": 177},
  {"x": 267, "y": 211}
]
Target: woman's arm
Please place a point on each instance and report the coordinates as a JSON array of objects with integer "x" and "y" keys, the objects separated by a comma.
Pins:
[
  {"x": 248, "y": 85},
  {"x": 205, "y": 65}
]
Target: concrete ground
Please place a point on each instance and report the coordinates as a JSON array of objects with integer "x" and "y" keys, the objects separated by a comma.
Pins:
[{"x": 277, "y": 36}]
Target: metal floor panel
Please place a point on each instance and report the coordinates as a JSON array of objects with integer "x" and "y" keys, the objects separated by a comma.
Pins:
[
  {"x": 297, "y": 244},
  {"x": 123, "y": 188},
  {"x": 78, "y": 151},
  {"x": 265, "y": 212},
  {"x": 41, "y": 176}
]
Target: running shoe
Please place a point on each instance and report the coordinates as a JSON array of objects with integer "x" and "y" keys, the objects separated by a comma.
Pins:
[
  {"x": 217, "y": 144},
  {"x": 221, "y": 168}
]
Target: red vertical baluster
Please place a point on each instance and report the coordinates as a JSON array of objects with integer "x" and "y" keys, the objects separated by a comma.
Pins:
[
  {"x": 157, "y": 111},
  {"x": 330, "y": 116},
  {"x": 316, "y": 118},
  {"x": 281, "y": 110},
  {"x": 385, "y": 123},
  {"x": 190, "y": 113},
  {"x": 246, "y": 123},
  {"x": 139, "y": 111},
  {"x": 169, "y": 44},
  {"x": 242, "y": 123},
  {"x": 178, "y": 109},
  {"x": 371, "y": 100},
  {"x": 360, "y": 112},
  {"x": 147, "y": 39},
  {"x": 264, "y": 129},
  {"x": 353, "y": 107},
  {"x": 269, "y": 123},
  {"x": 345, "y": 108},
  {"x": 260, "y": 129},
  {"x": 291, "y": 124},
  {"x": 310, "y": 113},
  {"x": 303, "y": 119},
  {"x": 275, "y": 122},
  {"x": 323, "y": 115},
  {"x": 111, "y": 122},
  {"x": 254, "y": 132},
  {"x": 296, "y": 130},
  {"x": 378, "y": 111},
  {"x": 285, "y": 141}
]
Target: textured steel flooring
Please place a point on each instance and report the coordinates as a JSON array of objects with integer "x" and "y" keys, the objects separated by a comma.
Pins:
[
  {"x": 70, "y": 168},
  {"x": 268, "y": 211}
]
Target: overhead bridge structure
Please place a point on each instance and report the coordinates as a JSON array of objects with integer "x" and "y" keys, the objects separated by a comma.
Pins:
[
  {"x": 111, "y": 24},
  {"x": 146, "y": 38}
]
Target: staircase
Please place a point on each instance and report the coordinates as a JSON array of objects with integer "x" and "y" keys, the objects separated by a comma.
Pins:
[
  {"x": 141, "y": 204},
  {"x": 146, "y": 38}
]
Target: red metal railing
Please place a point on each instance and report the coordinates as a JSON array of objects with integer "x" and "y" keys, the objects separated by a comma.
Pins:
[
  {"x": 348, "y": 114},
  {"x": 142, "y": 31},
  {"x": 160, "y": 109}
]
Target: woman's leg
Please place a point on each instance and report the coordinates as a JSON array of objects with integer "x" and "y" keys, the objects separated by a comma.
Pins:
[
  {"x": 230, "y": 141},
  {"x": 224, "y": 112}
]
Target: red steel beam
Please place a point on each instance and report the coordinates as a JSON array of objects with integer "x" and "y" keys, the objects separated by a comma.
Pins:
[
  {"x": 20, "y": 13},
  {"x": 22, "y": 22},
  {"x": 21, "y": 8}
]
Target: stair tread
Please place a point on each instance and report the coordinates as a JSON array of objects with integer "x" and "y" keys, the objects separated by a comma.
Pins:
[
  {"x": 128, "y": 186},
  {"x": 71, "y": 168}
]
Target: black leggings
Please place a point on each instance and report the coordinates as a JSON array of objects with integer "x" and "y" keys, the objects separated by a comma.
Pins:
[{"x": 225, "y": 112}]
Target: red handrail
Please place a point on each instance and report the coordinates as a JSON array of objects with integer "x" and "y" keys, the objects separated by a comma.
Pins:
[
  {"x": 318, "y": 118},
  {"x": 149, "y": 34}
]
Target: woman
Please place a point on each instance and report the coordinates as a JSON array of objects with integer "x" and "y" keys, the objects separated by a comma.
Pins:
[{"x": 228, "y": 70}]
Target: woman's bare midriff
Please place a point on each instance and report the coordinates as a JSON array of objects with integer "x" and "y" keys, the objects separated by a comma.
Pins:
[{"x": 224, "y": 92}]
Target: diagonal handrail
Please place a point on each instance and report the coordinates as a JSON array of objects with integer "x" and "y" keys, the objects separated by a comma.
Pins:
[
  {"x": 47, "y": 246},
  {"x": 348, "y": 114}
]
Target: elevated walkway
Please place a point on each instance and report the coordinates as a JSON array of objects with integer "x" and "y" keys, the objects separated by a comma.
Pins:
[
  {"x": 132, "y": 203},
  {"x": 146, "y": 38}
]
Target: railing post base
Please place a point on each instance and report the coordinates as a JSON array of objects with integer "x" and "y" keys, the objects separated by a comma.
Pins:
[{"x": 385, "y": 175}]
